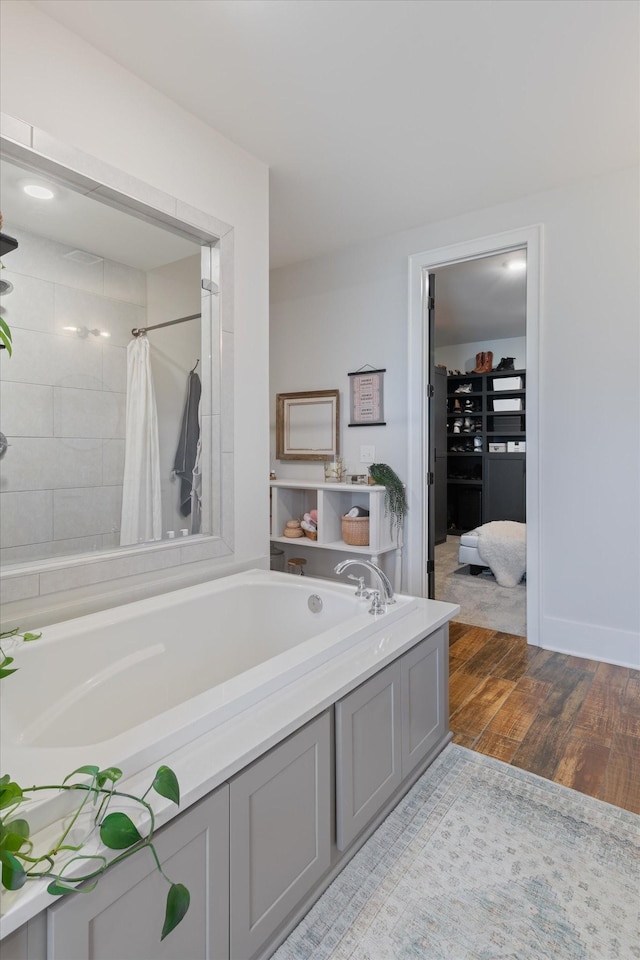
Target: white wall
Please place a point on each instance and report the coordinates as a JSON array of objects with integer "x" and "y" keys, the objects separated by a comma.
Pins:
[
  {"x": 462, "y": 356},
  {"x": 333, "y": 314},
  {"x": 55, "y": 81}
]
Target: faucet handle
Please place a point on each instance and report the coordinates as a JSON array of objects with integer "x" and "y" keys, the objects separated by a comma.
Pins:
[
  {"x": 361, "y": 591},
  {"x": 377, "y": 606}
]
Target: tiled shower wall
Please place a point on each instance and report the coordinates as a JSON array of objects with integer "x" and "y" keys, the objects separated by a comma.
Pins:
[{"x": 62, "y": 400}]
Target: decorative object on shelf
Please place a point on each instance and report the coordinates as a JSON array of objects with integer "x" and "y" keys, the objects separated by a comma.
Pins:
[
  {"x": 395, "y": 501},
  {"x": 366, "y": 389},
  {"x": 506, "y": 363},
  {"x": 484, "y": 362},
  {"x": 308, "y": 425},
  {"x": 293, "y": 530},
  {"x": 334, "y": 470},
  {"x": 309, "y": 524},
  {"x": 501, "y": 384},
  {"x": 358, "y": 478},
  {"x": 296, "y": 566},
  {"x": 355, "y": 530}
]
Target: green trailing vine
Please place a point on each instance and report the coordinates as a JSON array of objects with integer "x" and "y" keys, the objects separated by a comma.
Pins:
[
  {"x": 5, "y": 336},
  {"x": 395, "y": 501},
  {"x": 5, "y": 662},
  {"x": 64, "y": 864}
]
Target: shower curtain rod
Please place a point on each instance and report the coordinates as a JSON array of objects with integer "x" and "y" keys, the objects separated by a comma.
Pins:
[{"x": 138, "y": 331}]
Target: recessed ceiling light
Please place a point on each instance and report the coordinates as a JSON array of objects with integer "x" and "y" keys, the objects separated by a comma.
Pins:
[{"x": 39, "y": 191}]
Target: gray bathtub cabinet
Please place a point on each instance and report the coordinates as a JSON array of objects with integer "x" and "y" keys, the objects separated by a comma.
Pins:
[
  {"x": 384, "y": 729},
  {"x": 280, "y": 834},
  {"x": 368, "y": 757},
  {"x": 259, "y": 850},
  {"x": 122, "y": 918}
]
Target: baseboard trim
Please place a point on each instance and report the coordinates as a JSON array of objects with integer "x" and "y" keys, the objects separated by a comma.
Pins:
[{"x": 607, "y": 644}]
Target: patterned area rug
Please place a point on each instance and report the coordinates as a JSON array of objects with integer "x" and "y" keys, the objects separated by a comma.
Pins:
[{"x": 480, "y": 861}]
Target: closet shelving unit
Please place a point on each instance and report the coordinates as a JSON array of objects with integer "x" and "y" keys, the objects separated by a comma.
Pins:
[{"x": 483, "y": 485}]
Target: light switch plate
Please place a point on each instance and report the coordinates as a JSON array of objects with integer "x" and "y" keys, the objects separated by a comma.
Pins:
[{"x": 367, "y": 454}]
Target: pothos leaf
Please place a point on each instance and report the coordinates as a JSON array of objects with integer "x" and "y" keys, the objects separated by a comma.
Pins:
[
  {"x": 90, "y": 769},
  {"x": 4, "y": 663},
  {"x": 118, "y": 831},
  {"x": 13, "y": 873},
  {"x": 5, "y": 335},
  {"x": 109, "y": 773},
  {"x": 9, "y": 792},
  {"x": 27, "y": 637},
  {"x": 57, "y": 889},
  {"x": 166, "y": 784},
  {"x": 13, "y": 835},
  {"x": 178, "y": 900}
]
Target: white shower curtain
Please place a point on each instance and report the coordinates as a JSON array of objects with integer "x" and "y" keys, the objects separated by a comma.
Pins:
[{"x": 141, "y": 503}]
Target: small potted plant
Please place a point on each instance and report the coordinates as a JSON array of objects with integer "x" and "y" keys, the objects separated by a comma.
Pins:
[{"x": 395, "y": 501}]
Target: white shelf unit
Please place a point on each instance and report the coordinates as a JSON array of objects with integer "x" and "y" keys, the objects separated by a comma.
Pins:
[{"x": 291, "y": 499}]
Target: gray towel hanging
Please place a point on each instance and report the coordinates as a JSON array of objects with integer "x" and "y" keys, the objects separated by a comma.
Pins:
[{"x": 188, "y": 443}]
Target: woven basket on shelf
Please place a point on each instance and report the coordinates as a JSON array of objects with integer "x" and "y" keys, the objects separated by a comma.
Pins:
[
  {"x": 355, "y": 531},
  {"x": 311, "y": 534}
]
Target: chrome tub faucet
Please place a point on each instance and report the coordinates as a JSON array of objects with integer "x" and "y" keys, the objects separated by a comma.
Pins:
[{"x": 381, "y": 596}]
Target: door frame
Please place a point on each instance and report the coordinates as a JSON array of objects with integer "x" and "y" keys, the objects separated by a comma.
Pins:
[{"x": 529, "y": 238}]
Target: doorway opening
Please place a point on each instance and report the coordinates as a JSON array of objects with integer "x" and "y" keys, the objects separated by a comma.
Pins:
[
  {"x": 421, "y": 561},
  {"x": 477, "y": 360}
]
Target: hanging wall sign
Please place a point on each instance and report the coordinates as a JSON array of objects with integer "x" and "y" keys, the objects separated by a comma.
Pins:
[{"x": 367, "y": 398}]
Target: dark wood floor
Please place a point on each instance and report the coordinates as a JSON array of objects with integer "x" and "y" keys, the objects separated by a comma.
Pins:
[{"x": 571, "y": 720}]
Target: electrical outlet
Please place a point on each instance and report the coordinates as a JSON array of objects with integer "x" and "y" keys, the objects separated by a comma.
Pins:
[{"x": 367, "y": 454}]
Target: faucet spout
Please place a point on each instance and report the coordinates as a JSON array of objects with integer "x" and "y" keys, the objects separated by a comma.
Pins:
[{"x": 383, "y": 585}]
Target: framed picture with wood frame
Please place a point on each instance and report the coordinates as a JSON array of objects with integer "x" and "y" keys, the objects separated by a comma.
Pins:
[{"x": 308, "y": 425}]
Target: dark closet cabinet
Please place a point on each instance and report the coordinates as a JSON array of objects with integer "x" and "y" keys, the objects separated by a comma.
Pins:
[
  {"x": 503, "y": 487},
  {"x": 485, "y": 428}
]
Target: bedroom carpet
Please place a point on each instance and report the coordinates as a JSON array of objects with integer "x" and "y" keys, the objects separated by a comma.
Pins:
[
  {"x": 482, "y": 860},
  {"x": 483, "y": 602}
]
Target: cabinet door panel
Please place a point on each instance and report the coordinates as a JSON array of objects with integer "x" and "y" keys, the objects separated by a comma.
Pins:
[
  {"x": 368, "y": 766},
  {"x": 504, "y": 488},
  {"x": 424, "y": 699},
  {"x": 122, "y": 918},
  {"x": 280, "y": 834}
]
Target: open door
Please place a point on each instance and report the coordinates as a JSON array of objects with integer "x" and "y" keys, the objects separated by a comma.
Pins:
[{"x": 431, "y": 419}]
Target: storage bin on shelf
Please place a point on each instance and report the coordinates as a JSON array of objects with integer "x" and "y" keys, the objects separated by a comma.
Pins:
[{"x": 355, "y": 531}]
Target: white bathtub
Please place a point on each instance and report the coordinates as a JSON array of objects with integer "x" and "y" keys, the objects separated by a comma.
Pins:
[{"x": 129, "y": 685}]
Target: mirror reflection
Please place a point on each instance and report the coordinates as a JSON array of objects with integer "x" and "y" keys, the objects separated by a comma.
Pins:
[{"x": 103, "y": 428}]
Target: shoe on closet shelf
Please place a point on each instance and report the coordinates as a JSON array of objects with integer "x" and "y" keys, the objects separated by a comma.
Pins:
[
  {"x": 468, "y": 425},
  {"x": 463, "y": 388},
  {"x": 457, "y": 426}
]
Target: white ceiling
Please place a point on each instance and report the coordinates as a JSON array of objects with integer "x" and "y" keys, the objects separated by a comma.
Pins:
[
  {"x": 85, "y": 223},
  {"x": 381, "y": 115},
  {"x": 481, "y": 299}
]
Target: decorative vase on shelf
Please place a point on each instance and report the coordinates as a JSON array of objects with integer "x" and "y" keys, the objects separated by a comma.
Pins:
[{"x": 334, "y": 470}]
